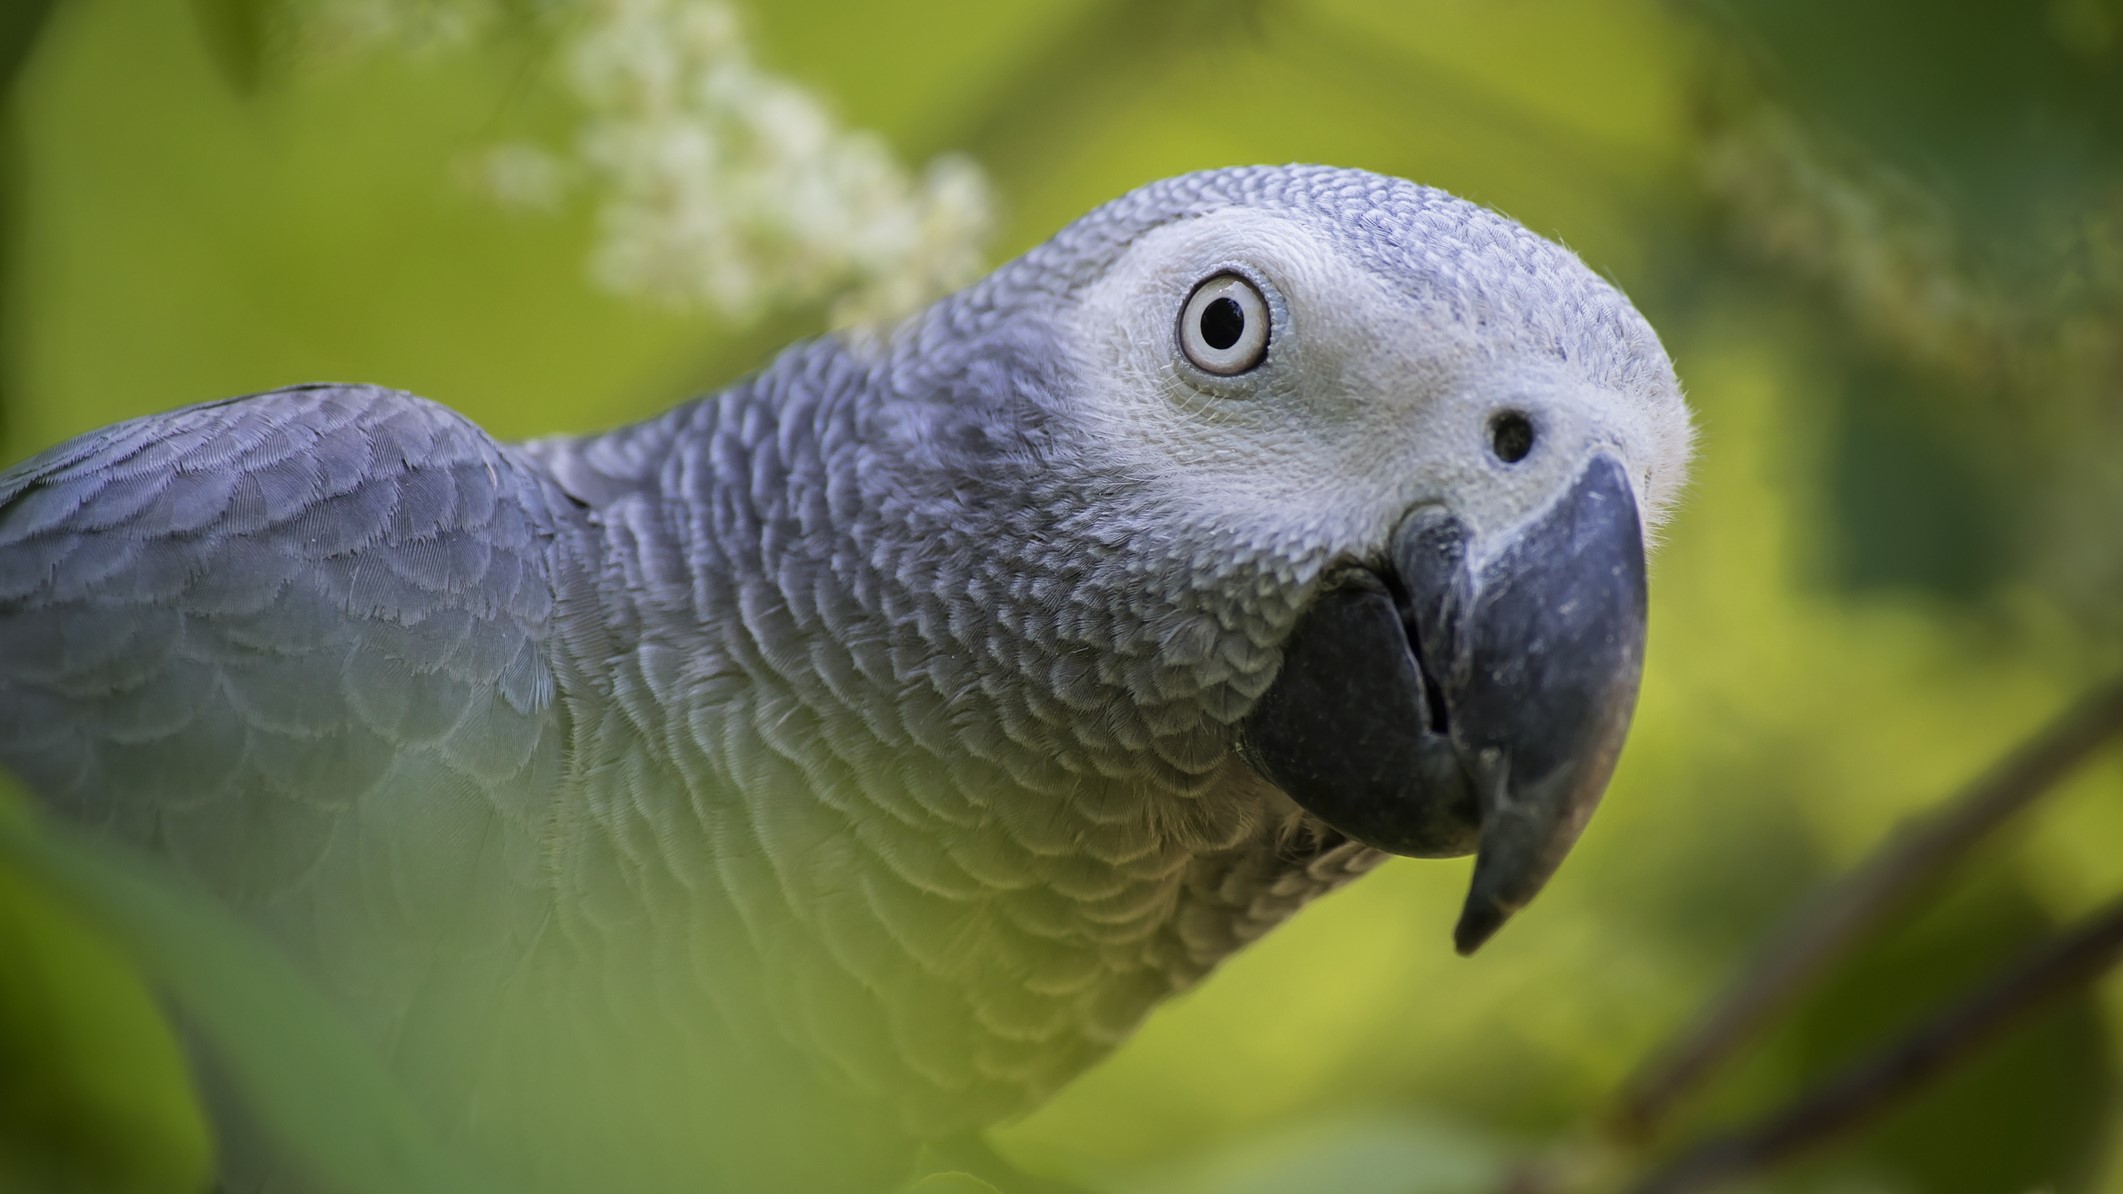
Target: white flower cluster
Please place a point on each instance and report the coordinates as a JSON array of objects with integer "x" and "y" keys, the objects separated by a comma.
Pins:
[
  {"x": 730, "y": 186},
  {"x": 720, "y": 185}
]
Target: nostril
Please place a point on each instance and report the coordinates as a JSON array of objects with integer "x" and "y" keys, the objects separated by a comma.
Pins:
[{"x": 1511, "y": 436}]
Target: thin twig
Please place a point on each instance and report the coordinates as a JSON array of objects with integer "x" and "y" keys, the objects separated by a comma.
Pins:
[
  {"x": 1851, "y": 1097},
  {"x": 1895, "y": 874}
]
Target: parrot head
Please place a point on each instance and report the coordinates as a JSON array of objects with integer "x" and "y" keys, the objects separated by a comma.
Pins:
[{"x": 1404, "y": 447}]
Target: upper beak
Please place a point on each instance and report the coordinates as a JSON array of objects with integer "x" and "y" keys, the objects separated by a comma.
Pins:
[{"x": 1427, "y": 708}]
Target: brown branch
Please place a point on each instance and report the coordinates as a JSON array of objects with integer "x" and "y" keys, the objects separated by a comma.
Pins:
[
  {"x": 1853, "y": 1096},
  {"x": 1890, "y": 880}
]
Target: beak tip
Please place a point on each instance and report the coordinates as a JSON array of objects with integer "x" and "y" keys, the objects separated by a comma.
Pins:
[{"x": 1479, "y": 921}]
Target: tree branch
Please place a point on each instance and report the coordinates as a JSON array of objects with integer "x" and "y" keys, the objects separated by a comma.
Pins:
[
  {"x": 1890, "y": 880},
  {"x": 1853, "y": 1096}
]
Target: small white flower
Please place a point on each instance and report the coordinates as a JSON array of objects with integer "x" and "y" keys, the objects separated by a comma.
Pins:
[
  {"x": 521, "y": 176},
  {"x": 720, "y": 185}
]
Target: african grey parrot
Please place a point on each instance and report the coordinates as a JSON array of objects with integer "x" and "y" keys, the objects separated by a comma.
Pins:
[{"x": 846, "y": 759}]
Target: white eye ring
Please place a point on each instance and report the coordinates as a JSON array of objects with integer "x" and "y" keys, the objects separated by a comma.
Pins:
[{"x": 1224, "y": 327}]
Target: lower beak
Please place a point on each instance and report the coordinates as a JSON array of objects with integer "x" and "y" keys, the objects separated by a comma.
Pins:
[{"x": 1429, "y": 709}]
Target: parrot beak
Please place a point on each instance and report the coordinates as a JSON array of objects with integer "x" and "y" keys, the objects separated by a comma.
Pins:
[{"x": 1428, "y": 708}]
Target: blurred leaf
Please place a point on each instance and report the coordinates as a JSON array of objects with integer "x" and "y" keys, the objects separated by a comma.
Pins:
[
  {"x": 1369, "y": 1154},
  {"x": 10, "y": 233},
  {"x": 303, "y": 1075},
  {"x": 94, "y": 1093},
  {"x": 236, "y": 34},
  {"x": 949, "y": 1183},
  {"x": 1061, "y": 83},
  {"x": 2027, "y": 1111},
  {"x": 21, "y": 21},
  {"x": 1953, "y": 182},
  {"x": 2012, "y": 114},
  {"x": 1912, "y": 504}
]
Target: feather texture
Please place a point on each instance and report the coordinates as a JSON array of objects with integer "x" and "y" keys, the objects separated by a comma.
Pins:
[{"x": 852, "y": 746}]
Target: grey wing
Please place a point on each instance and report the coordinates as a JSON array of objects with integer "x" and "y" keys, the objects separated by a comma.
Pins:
[{"x": 296, "y": 643}]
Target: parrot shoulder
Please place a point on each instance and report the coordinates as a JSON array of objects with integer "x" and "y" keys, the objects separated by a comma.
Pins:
[{"x": 297, "y": 644}]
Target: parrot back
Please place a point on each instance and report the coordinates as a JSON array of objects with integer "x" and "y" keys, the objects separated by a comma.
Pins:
[{"x": 295, "y": 644}]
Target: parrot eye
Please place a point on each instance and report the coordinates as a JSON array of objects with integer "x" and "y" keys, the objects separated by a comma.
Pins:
[
  {"x": 1224, "y": 326},
  {"x": 1511, "y": 436}
]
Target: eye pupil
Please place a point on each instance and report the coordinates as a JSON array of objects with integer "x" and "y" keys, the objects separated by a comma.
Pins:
[
  {"x": 1223, "y": 322},
  {"x": 1223, "y": 327},
  {"x": 1511, "y": 436}
]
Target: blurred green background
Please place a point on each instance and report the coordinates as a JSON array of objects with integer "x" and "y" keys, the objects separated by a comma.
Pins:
[{"x": 1883, "y": 242}]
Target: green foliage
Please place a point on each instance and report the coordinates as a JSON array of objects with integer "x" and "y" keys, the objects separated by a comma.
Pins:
[
  {"x": 94, "y": 1095},
  {"x": 1882, "y": 242},
  {"x": 2055, "y": 1141},
  {"x": 20, "y": 25},
  {"x": 235, "y": 32},
  {"x": 1368, "y": 1153},
  {"x": 950, "y": 1183},
  {"x": 292, "y": 1063}
]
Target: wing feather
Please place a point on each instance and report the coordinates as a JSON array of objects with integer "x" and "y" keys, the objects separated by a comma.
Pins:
[{"x": 298, "y": 644}]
